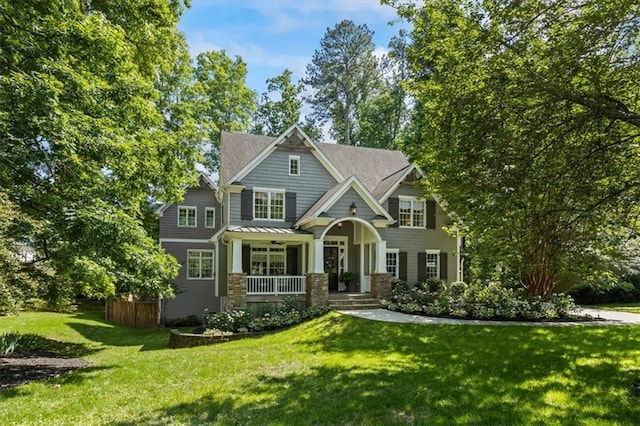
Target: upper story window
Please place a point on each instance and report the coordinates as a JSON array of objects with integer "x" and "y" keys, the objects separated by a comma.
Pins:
[
  {"x": 187, "y": 216},
  {"x": 294, "y": 165},
  {"x": 209, "y": 217},
  {"x": 268, "y": 204},
  {"x": 199, "y": 264},
  {"x": 411, "y": 212}
]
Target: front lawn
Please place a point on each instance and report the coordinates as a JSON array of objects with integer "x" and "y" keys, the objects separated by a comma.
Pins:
[{"x": 335, "y": 370}]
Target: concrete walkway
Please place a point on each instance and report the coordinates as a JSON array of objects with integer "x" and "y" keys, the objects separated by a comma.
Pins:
[{"x": 601, "y": 317}]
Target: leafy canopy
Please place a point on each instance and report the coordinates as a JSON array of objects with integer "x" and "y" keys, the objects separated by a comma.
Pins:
[
  {"x": 527, "y": 124},
  {"x": 92, "y": 128}
]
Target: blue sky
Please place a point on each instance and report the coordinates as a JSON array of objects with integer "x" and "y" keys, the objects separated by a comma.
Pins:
[{"x": 271, "y": 35}]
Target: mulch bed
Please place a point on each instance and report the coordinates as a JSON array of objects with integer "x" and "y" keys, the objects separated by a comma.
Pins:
[{"x": 20, "y": 369}]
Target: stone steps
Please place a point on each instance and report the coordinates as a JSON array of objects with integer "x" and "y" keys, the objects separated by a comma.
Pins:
[{"x": 352, "y": 301}]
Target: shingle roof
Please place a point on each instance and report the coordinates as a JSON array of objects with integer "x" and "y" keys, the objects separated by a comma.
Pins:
[
  {"x": 377, "y": 169},
  {"x": 369, "y": 165},
  {"x": 237, "y": 150}
]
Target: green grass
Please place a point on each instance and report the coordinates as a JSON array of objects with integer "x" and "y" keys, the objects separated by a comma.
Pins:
[
  {"x": 633, "y": 308},
  {"x": 335, "y": 370}
]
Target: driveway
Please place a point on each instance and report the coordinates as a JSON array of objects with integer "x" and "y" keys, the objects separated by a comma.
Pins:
[{"x": 601, "y": 317}]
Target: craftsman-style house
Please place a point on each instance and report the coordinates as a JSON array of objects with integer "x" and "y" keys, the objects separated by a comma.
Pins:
[{"x": 291, "y": 215}]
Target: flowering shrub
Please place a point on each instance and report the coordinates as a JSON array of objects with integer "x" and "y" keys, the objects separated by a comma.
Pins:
[
  {"x": 480, "y": 301},
  {"x": 244, "y": 320}
]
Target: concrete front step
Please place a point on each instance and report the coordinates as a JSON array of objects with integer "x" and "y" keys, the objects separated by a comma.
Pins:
[
  {"x": 358, "y": 302},
  {"x": 355, "y": 307}
]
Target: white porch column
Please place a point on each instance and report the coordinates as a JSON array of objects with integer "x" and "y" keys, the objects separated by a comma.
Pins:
[
  {"x": 317, "y": 264},
  {"x": 381, "y": 257},
  {"x": 236, "y": 255}
]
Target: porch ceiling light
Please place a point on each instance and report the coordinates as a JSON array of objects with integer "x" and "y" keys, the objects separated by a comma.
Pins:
[{"x": 353, "y": 209}]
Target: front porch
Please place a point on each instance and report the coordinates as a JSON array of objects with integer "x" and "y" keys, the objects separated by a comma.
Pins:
[{"x": 267, "y": 264}]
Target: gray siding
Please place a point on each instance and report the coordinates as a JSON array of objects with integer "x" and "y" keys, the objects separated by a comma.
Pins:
[
  {"x": 273, "y": 173},
  {"x": 343, "y": 205},
  {"x": 192, "y": 296},
  {"x": 412, "y": 240},
  {"x": 200, "y": 197}
]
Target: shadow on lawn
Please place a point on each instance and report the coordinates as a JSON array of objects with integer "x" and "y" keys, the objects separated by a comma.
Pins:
[
  {"x": 408, "y": 373},
  {"x": 95, "y": 328}
]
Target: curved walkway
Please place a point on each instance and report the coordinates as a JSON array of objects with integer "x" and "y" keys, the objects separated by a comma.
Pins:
[{"x": 601, "y": 317}]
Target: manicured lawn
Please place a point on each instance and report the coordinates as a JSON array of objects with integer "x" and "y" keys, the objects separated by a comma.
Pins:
[
  {"x": 633, "y": 308},
  {"x": 336, "y": 370}
]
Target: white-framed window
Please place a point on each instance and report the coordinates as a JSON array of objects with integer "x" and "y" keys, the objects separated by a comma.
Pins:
[
  {"x": 187, "y": 216},
  {"x": 209, "y": 217},
  {"x": 411, "y": 212},
  {"x": 268, "y": 204},
  {"x": 294, "y": 165},
  {"x": 268, "y": 261},
  {"x": 393, "y": 262},
  {"x": 432, "y": 266},
  {"x": 199, "y": 264}
]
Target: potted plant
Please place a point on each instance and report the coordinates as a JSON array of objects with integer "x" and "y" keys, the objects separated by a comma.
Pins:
[{"x": 347, "y": 278}]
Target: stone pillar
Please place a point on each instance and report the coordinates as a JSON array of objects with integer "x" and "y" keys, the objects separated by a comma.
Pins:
[
  {"x": 381, "y": 286},
  {"x": 236, "y": 291},
  {"x": 317, "y": 289}
]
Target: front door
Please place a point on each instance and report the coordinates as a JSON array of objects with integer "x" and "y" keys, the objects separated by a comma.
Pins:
[{"x": 331, "y": 263}]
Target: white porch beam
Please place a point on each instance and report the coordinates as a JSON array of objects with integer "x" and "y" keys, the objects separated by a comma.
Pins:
[
  {"x": 317, "y": 265},
  {"x": 236, "y": 267},
  {"x": 381, "y": 257}
]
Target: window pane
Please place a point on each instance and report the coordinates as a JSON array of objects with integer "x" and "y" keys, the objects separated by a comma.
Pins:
[
  {"x": 277, "y": 205},
  {"x": 392, "y": 264},
  {"x": 210, "y": 218},
  {"x": 432, "y": 265},
  {"x": 261, "y": 205},
  {"x": 193, "y": 268},
  {"x": 418, "y": 213},
  {"x": 294, "y": 166},
  {"x": 405, "y": 213}
]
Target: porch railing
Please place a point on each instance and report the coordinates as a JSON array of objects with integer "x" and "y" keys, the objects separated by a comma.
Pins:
[{"x": 275, "y": 285}]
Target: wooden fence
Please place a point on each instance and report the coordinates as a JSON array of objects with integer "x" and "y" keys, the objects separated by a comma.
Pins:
[{"x": 132, "y": 313}]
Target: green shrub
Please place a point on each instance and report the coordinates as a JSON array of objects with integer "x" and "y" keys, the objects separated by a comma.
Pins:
[
  {"x": 605, "y": 288},
  {"x": 479, "y": 300},
  {"x": 190, "y": 321},
  {"x": 14, "y": 342}
]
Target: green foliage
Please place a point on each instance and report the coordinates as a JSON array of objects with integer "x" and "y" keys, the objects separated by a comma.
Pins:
[
  {"x": 342, "y": 73},
  {"x": 526, "y": 123},
  {"x": 14, "y": 342},
  {"x": 262, "y": 318},
  {"x": 274, "y": 116},
  {"x": 90, "y": 112},
  {"x": 222, "y": 100},
  {"x": 606, "y": 288},
  {"x": 477, "y": 301}
]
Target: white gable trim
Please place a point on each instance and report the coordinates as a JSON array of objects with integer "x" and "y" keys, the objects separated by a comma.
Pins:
[
  {"x": 277, "y": 141},
  {"x": 401, "y": 179},
  {"x": 352, "y": 182}
]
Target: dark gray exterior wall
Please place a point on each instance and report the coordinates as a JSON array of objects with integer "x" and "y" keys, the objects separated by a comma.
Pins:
[
  {"x": 273, "y": 173},
  {"x": 342, "y": 207},
  {"x": 200, "y": 197},
  {"x": 413, "y": 240},
  {"x": 192, "y": 296}
]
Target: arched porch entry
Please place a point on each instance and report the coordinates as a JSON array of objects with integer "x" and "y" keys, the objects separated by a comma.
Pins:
[{"x": 352, "y": 251}]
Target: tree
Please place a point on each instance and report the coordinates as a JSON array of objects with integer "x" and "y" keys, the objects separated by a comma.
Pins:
[
  {"x": 385, "y": 114},
  {"x": 86, "y": 141},
  {"x": 527, "y": 123},
  {"x": 274, "y": 116},
  {"x": 223, "y": 100},
  {"x": 342, "y": 73}
]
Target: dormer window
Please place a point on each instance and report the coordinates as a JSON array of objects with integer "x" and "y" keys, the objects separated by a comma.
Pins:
[
  {"x": 294, "y": 165},
  {"x": 187, "y": 216}
]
